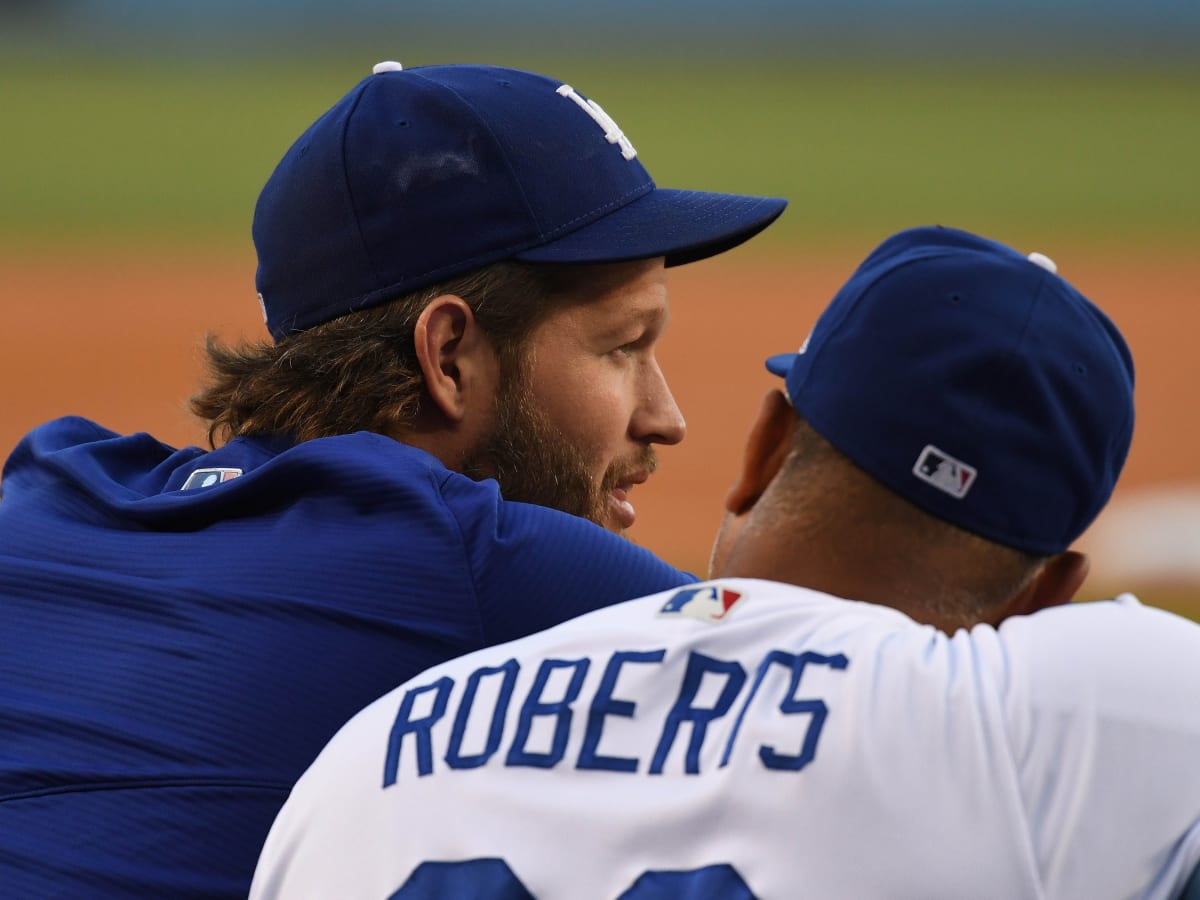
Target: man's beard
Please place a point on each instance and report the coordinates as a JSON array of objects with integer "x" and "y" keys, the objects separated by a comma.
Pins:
[{"x": 534, "y": 462}]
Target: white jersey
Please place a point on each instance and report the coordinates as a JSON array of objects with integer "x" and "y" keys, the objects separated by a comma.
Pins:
[{"x": 744, "y": 738}]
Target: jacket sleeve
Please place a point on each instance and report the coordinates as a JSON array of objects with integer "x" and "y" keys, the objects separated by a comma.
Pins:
[{"x": 534, "y": 567}]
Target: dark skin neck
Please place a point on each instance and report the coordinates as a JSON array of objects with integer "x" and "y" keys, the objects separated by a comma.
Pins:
[
  {"x": 864, "y": 558},
  {"x": 841, "y": 556},
  {"x": 811, "y": 518}
]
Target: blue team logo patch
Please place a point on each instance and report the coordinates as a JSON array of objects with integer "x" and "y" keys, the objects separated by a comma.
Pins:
[
  {"x": 202, "y": 478},
  {"x": 708, "y": 604}
]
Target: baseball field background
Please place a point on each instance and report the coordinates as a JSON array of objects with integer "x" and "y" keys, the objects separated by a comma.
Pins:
[{"x": 134, "y": 138}]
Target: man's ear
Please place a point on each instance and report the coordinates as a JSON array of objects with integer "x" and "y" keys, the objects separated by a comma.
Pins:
[
  {"x": 1055, "y": 585},
  {"x": 454, "y": 354},
  {"x": 767, "y": 446}
]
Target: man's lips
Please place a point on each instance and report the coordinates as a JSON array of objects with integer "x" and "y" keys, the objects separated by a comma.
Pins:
[{"x": 623, "y": 510}]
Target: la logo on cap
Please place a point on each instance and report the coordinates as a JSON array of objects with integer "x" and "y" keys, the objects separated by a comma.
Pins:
[{"x": 612, "y": 133}]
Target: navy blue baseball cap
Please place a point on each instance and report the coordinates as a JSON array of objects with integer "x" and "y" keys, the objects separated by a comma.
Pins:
[
  {"x": 972, "y": 380},
  {"x": 419, "y": 175}
]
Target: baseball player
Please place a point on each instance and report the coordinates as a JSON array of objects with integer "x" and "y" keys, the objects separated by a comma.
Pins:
[
  {"x": 462, "y": 270},
  {"x": 800, "y": 727}
]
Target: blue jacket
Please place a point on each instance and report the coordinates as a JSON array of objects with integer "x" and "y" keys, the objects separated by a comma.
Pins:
[{"x": 172, "y": 660}]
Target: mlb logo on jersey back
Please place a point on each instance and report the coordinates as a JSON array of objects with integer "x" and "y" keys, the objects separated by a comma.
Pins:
[
  {"x": 708, "y": 604},
  {"x": 944, "y": 472}
]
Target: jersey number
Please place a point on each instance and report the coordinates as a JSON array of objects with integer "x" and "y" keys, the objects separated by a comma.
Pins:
[{"x": 492, "y": 879}]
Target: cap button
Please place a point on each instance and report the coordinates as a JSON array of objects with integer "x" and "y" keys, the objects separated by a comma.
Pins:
[
  {"x": 1040, "y": 259},
  {"x": 388, "y": 66}
]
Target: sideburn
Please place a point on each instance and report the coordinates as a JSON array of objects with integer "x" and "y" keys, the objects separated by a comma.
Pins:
[{"x": 529, "y": 457}]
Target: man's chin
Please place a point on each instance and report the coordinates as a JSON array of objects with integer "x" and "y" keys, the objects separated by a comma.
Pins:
[
  {"x": 576, "y": 497},
  {"x": 608, "y": 508},
  {"x": 619, "y": 514},
  {"x": 534, "y": 463}
]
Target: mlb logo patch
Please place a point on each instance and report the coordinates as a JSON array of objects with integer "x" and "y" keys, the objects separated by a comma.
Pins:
[
  {"x": 708, "y": 604},
  {"x": 208, "y": 477},
  {"x": 944, "y": 472}
]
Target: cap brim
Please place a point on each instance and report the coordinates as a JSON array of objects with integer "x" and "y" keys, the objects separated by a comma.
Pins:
[
  {"x": 781, "y": 363},
  {"x": 683, "y": 226}
]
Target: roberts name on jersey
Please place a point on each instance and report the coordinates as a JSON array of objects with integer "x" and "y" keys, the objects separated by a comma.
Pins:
[{"x": 513, "y": 715}]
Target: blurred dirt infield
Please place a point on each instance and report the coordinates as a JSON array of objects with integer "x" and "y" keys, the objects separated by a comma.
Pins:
[{"x": 116, "y": 337}]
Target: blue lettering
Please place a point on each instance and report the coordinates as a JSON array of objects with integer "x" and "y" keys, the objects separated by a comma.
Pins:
[
  {"x": 491, "y": 877},
  {"x": 790, "y": 705},
  {"x": 700, "y": 717},
  {"x": 454, "y": 755},
  {"x": 485, "y": 877},
  {"x": 604, "y": 704},
  {"x": 534, "y": 707},
  {"x": 719, "y": 882},
  {"x": 404, "y": 724}
]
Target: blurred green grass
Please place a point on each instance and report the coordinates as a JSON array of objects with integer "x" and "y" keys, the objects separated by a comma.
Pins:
[
  {"x": 153, "y": 150},
  {"x": 147, "y": 148}
]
